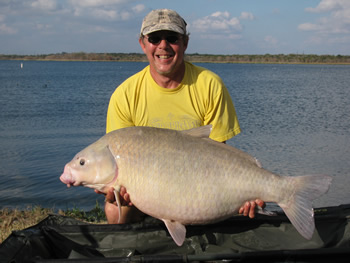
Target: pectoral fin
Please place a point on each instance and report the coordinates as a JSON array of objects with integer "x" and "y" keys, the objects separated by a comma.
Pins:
[
  {"x": 117, "y": 198},
  {"x": 176, "y": 230}
]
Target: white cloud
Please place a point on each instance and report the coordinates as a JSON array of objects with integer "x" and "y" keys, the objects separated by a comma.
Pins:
[
  {"x": 341, "y": 40},
  {"x": 95, "y": 3},
  {"x": 43, "y": 26},
  {"x": 218, "y": 22},
  {"x": 109, "y": 10},
  {"x": 125, "y": 15},
  {"x": 215, "y": 36},
  {"x": 332, "y": 28},
  {"x": 234, "y": 36},
  {"x": 138, "y": 8},
  {"x": 335, "y": 20},
  {"x": 46, "y": 5},
  {"x": 271, "y": 40},
  {"x": 93, "y": 29},
  {"x": 6, "y": 30},
  {"x": 247, "y": 16},
  {"x": 105, "y": 14},
  {"x": 309, "y": 27},
  {"x": 221, "y": 14},
  {"x": 328, "y": 5}
]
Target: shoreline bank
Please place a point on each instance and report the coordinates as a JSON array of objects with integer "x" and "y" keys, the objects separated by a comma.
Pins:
[{"x": 195, "y": 58}]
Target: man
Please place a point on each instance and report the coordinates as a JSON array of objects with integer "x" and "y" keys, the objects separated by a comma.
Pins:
[{"x": 170, "y": 93}]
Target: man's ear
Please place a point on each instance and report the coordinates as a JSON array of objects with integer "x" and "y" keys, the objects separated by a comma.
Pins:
[
  {"x": 186, "y": 42},
  {"x": 142, "y": 44}
]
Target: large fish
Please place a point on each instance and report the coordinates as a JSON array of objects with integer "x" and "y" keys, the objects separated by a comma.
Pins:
[{"x": 185, "y": 178}]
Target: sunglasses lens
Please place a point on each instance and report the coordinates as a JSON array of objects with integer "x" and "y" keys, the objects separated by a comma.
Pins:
[
  {"x": 156, "y": 39},
  {"x": 172, "y": 39}
]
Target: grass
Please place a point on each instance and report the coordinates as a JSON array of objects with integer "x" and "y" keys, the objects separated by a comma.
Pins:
[{"x": 14, "y": 219}]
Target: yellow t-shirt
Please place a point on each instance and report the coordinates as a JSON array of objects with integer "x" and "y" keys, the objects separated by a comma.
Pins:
[{"x": 200, "y": 99}]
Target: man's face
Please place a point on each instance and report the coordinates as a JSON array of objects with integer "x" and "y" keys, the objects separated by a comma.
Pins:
[{"x": 165, "y": 52}]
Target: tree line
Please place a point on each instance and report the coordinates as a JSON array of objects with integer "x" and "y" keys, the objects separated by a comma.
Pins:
[{"x": 138, "y": 57}]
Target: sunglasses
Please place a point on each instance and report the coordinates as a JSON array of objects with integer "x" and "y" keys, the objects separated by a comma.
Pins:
[{"x": 155, "y": 40}]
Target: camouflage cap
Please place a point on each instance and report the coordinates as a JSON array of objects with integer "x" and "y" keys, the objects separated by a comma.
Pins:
[{"x": 163, "y": 19}]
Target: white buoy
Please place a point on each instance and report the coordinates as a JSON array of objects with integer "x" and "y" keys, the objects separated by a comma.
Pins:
[{"x": 21, "y": 65}]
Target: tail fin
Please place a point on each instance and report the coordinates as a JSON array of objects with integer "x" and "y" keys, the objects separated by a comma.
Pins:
[{"x": 298, "y": 208}]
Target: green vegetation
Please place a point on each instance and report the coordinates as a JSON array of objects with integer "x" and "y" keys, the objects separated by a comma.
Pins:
[
  {"x": 266, "y": 58},
  {"x": 14, "y": 219},
  {"x": 79, "y": 56}
]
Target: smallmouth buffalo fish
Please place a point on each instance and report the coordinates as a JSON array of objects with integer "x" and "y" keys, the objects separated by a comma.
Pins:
[{"x": 185, "y": 178}]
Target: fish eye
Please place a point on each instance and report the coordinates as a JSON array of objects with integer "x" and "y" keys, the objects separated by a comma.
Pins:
[{"x": 82, "y": 162}]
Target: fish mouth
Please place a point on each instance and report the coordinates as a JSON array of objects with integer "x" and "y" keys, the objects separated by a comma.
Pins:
[{"x": 67, "y": 177}]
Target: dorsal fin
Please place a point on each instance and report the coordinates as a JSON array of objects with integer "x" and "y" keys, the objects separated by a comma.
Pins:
[
  {"x": 201, "y": 132},
  {"x": 238, "y": 152},
  {"x": 204, "y": 132}
]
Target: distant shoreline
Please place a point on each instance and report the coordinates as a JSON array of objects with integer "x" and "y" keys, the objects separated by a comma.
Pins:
[{"x": 197, "y": 58}]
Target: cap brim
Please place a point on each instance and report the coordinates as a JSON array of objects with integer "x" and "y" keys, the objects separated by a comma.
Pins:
[{"x": 160, "y": 27}]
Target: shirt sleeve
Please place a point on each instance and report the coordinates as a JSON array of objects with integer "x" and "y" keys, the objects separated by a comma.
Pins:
[
  {"x": 118, "y": 113},
  {"x": 221, "y": 114}
]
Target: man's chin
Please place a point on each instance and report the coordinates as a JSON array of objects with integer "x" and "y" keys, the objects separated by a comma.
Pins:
[{"x": 164, "y": 73}]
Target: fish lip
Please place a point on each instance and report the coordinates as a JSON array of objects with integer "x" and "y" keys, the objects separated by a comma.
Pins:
[{"x": 67, "y": 177}]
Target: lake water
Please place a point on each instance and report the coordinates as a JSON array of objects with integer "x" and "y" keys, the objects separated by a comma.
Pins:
[{"x": 295, "y": 119}]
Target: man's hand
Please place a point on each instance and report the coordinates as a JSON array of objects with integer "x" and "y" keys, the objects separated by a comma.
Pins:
[
  {"x": 110, "y": 197},
  {"x": 248, "y": 209},
  {"x": 129, "y": 213}
]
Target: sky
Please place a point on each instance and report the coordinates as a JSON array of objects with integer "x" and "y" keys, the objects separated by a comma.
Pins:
[{"x": 34, "y": 27}]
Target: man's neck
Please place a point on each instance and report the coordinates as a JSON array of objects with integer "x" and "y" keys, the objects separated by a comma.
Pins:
[{"x": 171, "y": 80}]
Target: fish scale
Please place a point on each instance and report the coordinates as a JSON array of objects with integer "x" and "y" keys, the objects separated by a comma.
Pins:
[{"x": 185, "y": 178}]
